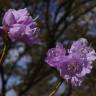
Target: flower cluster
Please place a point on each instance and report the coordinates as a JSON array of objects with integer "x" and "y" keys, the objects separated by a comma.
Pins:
[
  {"x": 20, "y": 26},
  {"x": 74, "y": 63}
]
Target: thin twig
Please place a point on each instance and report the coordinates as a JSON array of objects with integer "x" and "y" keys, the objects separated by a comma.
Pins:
[
  {"x": 73, "y": 20},
  {"x": 56, "y": 88},
  {"x": 2, "y": 71},
  {"x": 3, "y": 55}
]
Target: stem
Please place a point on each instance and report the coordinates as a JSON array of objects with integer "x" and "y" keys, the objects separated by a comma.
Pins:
[
  {"x": 69, "y": 89},
  {"x": 2, "y": 71},
  {"x": 2, "y": 79},
  {"x": 56, "y": 88},
  {"x": 2, "y": 56}
]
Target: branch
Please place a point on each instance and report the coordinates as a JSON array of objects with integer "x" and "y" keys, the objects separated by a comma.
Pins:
[
  {"x": 3, "y": 56},
  {"x": 2, "y": 70},
  {"x": 58, "y": 10},
  {"x": 47, "y": 14},
  {"x": 12, "y": 68},
  {"x": 74, "y": 20},
  {"x": 72, "y": 10},
  {"x": 56, "y": 88},
  {"x": 32, "y": 84},
  {"x": 63, "y": 18}
]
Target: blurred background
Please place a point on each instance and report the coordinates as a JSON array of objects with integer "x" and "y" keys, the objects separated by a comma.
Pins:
[{"x": 26, "y": 73}]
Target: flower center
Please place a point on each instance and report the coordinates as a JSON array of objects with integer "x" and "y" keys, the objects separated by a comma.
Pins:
[{"x": 74, "y": 67}]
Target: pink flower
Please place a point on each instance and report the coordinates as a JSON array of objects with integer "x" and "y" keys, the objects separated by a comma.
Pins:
[
  {"x": 73, "y": 64},
  {"x": 21, "y": 27},
  {"x": 55, "y": 55}
]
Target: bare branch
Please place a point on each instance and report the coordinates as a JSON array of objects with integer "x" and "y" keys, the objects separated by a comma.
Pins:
[{"x": 75, "y": 19}]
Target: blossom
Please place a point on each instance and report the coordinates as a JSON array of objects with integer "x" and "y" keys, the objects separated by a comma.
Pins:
[
  {"x": 81, "y": 48},
  {"x": 13, "y": 16},
  {"x": 74, "y": 68},
  {"x": 75, "y": 63},
  {"x": 55, "y": 55},
  {"x": 23, "y": 33},
  {"x": 21, "y": 27}
]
